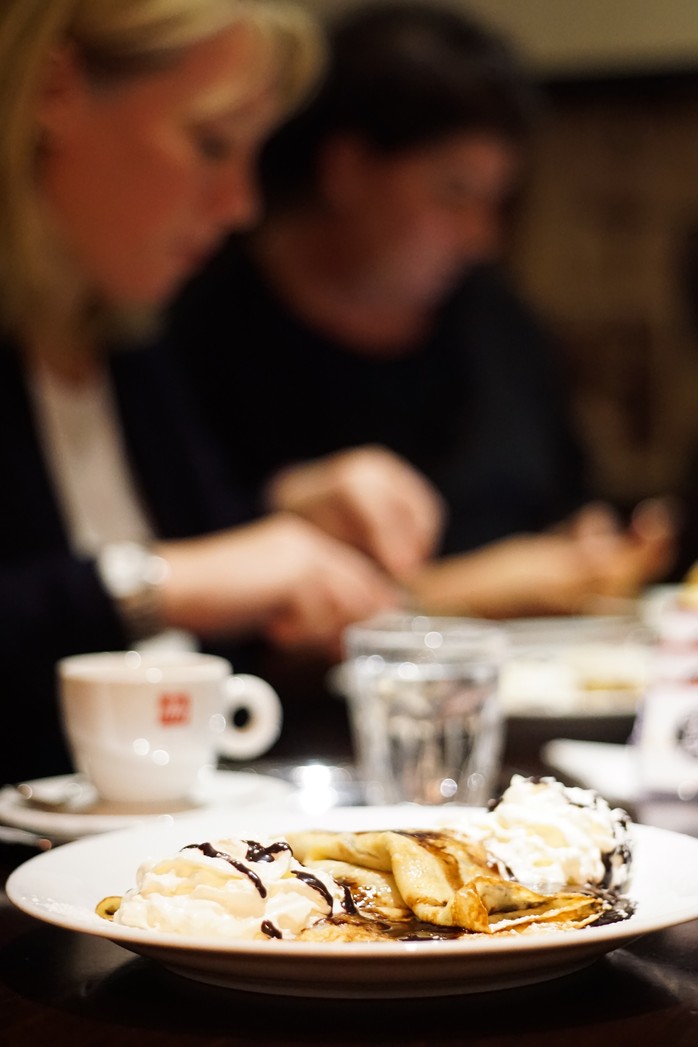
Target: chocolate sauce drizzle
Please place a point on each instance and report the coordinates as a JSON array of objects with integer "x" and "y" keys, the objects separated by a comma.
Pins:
[
  {"x": 251, "y": 875},
  {"x": 315, "y": 883},
  {"x": 270, "y": 930},
  {"x": 348, "y": 904},
  {"x": 257, "y": 853},
  {"x": 619, "y": 907}
]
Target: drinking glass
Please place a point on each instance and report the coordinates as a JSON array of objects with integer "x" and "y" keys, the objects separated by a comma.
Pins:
[{"x": 424, "y": 707}]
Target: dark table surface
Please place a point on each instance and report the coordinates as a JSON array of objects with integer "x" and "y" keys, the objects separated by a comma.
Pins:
[{"x": 59, "y": 987}]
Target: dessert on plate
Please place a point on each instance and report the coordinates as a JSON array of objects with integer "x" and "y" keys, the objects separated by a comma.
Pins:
[{"x": 543, "y": 857}]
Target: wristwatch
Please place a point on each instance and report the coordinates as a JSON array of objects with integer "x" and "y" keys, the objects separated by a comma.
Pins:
[{"x": 133, "y": 575}]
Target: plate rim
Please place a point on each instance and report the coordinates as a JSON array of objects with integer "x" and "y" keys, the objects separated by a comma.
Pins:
[{"x": 89, "y": 923}]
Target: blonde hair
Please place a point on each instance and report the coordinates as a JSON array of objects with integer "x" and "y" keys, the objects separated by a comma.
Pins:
[{"x": 116, "y": 39}]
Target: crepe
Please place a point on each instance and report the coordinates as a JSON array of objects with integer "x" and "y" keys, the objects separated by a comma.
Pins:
[{"x": 440, "y": 879}]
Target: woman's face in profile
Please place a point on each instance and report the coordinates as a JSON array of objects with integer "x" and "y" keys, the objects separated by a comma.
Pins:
[
  {"x": 143, "y": 178},
  {"x": 426, "y": 215}
]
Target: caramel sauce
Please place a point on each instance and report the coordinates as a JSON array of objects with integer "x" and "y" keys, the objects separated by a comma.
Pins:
[{"x": 408, "y": 930}]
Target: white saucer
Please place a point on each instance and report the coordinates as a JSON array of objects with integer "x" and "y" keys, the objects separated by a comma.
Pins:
[{"x": 236, "y": 791}]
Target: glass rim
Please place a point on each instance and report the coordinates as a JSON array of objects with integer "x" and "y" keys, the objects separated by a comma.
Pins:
[{"x": 398, "y": 630}]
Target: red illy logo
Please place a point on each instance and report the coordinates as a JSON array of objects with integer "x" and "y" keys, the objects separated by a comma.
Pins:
[{"x": 174, "y": 708}]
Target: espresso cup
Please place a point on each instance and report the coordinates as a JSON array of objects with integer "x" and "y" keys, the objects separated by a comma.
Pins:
[{"x": 145, "y": 728}]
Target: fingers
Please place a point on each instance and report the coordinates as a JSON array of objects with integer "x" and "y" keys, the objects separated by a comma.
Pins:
[
  {"x": 371, "y": 499},
  {"x": 596, "y": 519},
  {"x": 655, "y": 520},
  {"x": 315, "y": 614},
  {"x": 620, "y": 561},
  {"x": 624, "y": 561},
  {"x": 398, "y": 515}
]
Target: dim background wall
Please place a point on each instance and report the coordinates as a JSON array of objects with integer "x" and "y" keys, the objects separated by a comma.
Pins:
[
  {"x": 607, "y": 250},
  {"x": 607, "y": 243},
  {"x": 572, "y": 37}
]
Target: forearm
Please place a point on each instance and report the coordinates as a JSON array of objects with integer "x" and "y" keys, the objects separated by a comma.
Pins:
[
  {"x": 517, "y": 576},
  {"x": 472, "y": 584},
  {"x": 217, "y": 585}
]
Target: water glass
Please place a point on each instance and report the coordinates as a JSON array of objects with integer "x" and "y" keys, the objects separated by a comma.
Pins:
[{"x": 424, "y": 708}]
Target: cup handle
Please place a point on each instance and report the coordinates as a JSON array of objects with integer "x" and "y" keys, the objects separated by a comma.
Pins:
[{"x": 257, "y": 702}]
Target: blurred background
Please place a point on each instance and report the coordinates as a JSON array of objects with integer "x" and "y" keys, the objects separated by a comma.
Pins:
[{"x": 605, "y": 243}]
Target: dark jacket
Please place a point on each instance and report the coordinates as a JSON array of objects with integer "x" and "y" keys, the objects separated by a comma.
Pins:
[
  {"x": 51, "y": 602},
  {"x": 479, "y": 406}
]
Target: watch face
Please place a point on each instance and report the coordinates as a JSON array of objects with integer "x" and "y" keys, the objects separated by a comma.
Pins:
[
  {"x": 123, "y": 567},
  {"x": 131, "y": 574}
]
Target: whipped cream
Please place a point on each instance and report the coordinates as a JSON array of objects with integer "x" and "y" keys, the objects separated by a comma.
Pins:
[
  {"x": 230, "y": 889},
  {"x": 547, "y": 834}
]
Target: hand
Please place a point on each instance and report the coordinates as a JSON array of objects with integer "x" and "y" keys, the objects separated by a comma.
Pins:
[
  {"x": 370, "y": 499},
  {"x": 281, "y": 576},
  {"x": 568, "y": 571},
  {"x": 515, "y": 577},
  {"x": 627, "y": 559}
]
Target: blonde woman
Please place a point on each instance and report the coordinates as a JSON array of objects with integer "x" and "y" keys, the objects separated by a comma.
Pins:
[{"x": 130, "y": 133}]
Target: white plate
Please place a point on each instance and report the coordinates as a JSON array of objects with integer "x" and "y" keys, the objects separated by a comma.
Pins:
[
  {"x": 587, "y": 667},
  {"x": 610, "y": 769},
  {"x": 654, "y": 601},
  {"x": 63, "y": 887},
  {"x": 229, "y": 790}
]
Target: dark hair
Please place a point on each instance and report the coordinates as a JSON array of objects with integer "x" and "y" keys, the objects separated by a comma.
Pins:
[{"x": 401, "y": 75}]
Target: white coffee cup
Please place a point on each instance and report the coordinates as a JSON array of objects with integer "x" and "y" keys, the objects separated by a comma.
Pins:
[{"x": 145, "y": 728}]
